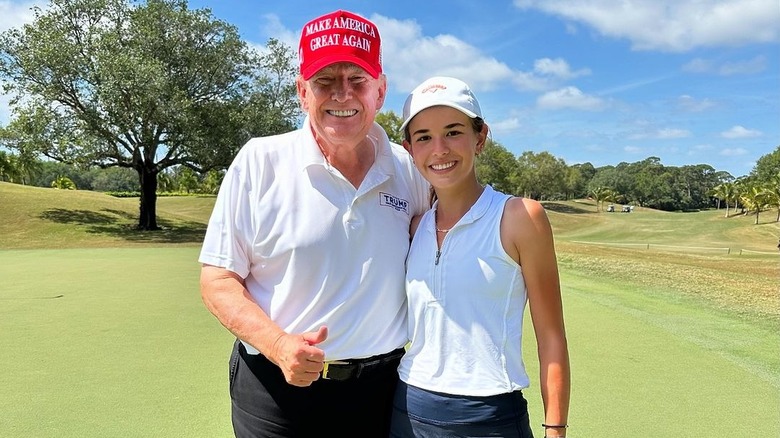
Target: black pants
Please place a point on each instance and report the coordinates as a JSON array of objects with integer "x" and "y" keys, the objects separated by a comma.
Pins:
[{"x": 265, "y": 405}]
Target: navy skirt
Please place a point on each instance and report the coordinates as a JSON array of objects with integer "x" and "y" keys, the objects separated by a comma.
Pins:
[{"x": 426, "y": 414}]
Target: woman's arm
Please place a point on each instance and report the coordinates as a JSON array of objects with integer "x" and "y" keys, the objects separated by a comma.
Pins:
[{"x": 529, "y": 230}]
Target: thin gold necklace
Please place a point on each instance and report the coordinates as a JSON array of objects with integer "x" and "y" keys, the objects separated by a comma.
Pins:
[{"x": 440, "y": 230}]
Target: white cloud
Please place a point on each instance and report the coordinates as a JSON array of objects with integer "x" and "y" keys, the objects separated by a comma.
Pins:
[
  {"x": 698, "y": 65},
  {"x": 505, "y": 125},
  {"x": 570, "y": 97},
  {"x": 672, "y": 25},
  {"x": 667, "y": 133},
  {"x": 752, "y": 66},
  {"x": 745, "y": 67},
  {"x": 735, "y": 152},
  {"x": 633, "y": 149},
  {"x": 530, "y": 82},
  {"x": 273, "y": 26},
  {"x": 740, "y": 132},
  {"x": 410, "y": 57},
  {"x": 691, "y": 104},
  {"x": 699, "y": 148},
  {"x": 660, "y": 134},
  {"x": 557, "y": 67}
]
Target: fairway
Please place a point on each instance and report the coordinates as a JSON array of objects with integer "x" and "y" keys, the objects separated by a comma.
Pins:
[
  {"x": 116, "y": 343},
  {"x": 103, "y": 332}
]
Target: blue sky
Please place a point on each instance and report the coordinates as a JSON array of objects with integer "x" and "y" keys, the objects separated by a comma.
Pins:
[{"x": 599, "y": 81}]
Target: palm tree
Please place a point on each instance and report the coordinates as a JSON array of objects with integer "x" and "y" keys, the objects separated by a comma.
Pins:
[
  {"x": 726, "y": 192},
  {"x": 600, "y": 194},
  {"x": 611, "y": 195},
  {"x": 64, "y": 183},
  {"x": 165, "y": 182},
  {"x": 717, "y": 193},
  {"x": 754, "y": 197},
  {"x": 7, "y": 167},
  {"x": 772, "y": 194},
  {"x": 27, "y": 165},
  {"x": 740, "y": 187}
]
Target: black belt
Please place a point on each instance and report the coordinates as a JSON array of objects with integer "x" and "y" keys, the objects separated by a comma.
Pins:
[{"x": 354, "y": 368}]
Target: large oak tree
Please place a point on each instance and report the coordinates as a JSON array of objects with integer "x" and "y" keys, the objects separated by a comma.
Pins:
[{"x": 146, "y": 86}]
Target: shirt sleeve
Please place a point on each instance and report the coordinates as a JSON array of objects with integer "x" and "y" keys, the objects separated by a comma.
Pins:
[{"x": 227, "y": 241}]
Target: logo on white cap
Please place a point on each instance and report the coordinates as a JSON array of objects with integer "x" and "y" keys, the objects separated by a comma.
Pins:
[{"x": 441, "y": 90}]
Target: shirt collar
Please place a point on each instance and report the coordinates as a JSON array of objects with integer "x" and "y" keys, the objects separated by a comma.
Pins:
[{"x": 477, "y": 210}]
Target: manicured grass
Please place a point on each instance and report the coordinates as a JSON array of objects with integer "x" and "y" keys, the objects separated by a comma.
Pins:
[
  {"x": 109, "y": 343},
  {"x": 116, "y": 342},
  {"x": 104, "y": 333},
  {"x": 645, "y": 363}
]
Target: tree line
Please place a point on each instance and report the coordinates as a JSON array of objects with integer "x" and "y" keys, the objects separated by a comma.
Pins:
[
  {"x": 541, "y": 176},
  {"x": 115, "y": 180},
  {"x": 646, "y": 183}
]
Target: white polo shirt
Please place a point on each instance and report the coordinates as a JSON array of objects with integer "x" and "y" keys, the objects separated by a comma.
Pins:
[{"x": 313, "y": 249}]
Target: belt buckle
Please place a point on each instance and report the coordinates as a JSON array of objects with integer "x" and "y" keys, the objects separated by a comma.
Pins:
[{"x": 328, "y": 364}]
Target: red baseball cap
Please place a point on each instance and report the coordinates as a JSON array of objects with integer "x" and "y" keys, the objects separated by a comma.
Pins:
[{"x": 340, "y": 36}]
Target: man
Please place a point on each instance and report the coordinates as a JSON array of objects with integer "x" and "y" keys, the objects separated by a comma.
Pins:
[{"x": 303, "y": 259}]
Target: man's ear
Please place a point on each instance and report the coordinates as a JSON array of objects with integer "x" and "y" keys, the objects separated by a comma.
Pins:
[
  {"x": 300, "y": 86},
  {"x": 380, "y": 100}
]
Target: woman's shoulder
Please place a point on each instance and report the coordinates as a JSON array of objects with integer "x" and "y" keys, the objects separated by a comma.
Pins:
[{"x": 521, "y": 208}]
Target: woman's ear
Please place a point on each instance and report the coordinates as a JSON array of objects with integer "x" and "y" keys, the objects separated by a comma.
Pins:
[{"x": 482, "y": 138}]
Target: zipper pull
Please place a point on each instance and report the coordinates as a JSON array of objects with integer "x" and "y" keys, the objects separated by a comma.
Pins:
[{"x": 438, "y": 254}]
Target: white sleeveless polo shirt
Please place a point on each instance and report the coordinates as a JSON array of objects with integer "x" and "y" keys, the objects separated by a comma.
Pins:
[{"x": 466, "y": 308}]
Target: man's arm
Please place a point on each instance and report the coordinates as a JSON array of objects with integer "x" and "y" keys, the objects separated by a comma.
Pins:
[{"x": 226, "y": 297}]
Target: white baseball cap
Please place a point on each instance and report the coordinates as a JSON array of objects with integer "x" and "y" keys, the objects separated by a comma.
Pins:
[{"x": 441, "y": 90}]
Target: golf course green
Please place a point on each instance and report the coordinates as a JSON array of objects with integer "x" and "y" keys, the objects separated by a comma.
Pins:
[{"x": 673, "y": 321}]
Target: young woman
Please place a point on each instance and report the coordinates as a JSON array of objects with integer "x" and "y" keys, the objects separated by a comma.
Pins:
[{"x": 476, "y": 258}]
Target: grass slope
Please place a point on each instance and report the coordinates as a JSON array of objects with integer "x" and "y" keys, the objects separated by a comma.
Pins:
[
  {"x": 34, "y": 217},
  {"x": 578, "y": 221}
]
